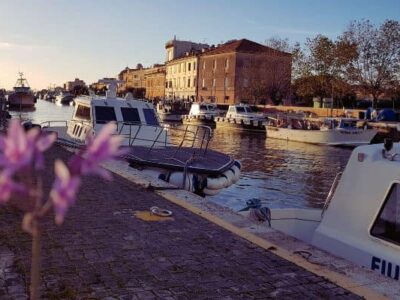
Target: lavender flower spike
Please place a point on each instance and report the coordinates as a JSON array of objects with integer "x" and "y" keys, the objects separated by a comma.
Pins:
[
  {"x": 8, "y": 186},
  {"x": 63, "y": 193},
  {"x": 103, "y": 147}
]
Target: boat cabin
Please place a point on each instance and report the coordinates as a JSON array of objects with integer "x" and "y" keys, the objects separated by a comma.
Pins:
[
  {"x": 136, "y": 120},
  {"x": 199, "y": 109},
  {"x": 242, "y": 111}
]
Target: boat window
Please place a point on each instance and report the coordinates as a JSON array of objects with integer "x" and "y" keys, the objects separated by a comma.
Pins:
[
  {"x": 387, "y": 224},
  {"x": 104, "y": 114},
  {"x": 211, "y": 107},
  {"x": 203, "y": 107},
  {"x": 248, "y": 109},
  {"x": 80, "y": 131},
  {"x": 150, "y": 116},
  {"x": 130, "y": 115},
  {"x": 83, "y": 112},
  {"x": 240, "y": 109}
]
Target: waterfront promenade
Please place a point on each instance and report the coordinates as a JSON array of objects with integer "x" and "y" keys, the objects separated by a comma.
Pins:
[{"x": 103, "y": 251}]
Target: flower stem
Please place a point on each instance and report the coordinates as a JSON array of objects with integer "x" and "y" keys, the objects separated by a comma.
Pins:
[{"x": 36, "y": 264}]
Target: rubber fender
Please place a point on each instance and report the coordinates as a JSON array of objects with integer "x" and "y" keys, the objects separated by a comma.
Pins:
[
  {"x": 230, "y": 175},
  {"x": 209, "y": 192},
  {"x": 217, "y": 183},
  {"x": 176, "y": 178},
  {"x": 236, "y": 170}
]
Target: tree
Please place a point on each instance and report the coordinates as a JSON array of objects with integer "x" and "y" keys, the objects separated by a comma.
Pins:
[{"x": 378, "y": 55}]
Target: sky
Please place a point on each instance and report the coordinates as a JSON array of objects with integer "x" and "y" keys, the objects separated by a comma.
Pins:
[{"x": 54, "y": 41}]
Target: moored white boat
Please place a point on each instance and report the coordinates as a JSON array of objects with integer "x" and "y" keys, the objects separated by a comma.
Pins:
[
  {"x": 201, "y": 114},
  {"x": 64, "y": 98},
  {"x": 171, "y": 111},
  {"x": 344, "y": 133},
  {"x": 240, "y": 116},
  {"x": 189, "y": 164},
  {"x": 360, "y": 220}
]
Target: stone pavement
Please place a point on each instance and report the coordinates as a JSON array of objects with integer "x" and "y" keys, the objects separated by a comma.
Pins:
[{"x": 103, "y": 251}]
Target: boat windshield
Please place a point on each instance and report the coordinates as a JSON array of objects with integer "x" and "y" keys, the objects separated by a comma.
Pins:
[
  {"x": 104, "y": 114},
  {"x": 150, "y": 117},
  {"x": 387, "y": 224},
  {"x": 83, "y": 112},
  {"x": 130, "y": 114},
  {"x": 240, "y": 109}
]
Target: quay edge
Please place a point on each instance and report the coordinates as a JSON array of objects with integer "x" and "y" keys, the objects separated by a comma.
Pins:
[{"x": 354, "y": 278}]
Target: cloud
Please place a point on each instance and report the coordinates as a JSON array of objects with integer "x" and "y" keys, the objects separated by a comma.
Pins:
[{"x": 5, "y": 45}]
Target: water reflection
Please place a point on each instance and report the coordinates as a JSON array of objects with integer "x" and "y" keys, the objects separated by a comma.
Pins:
[{"x": 280, "y": 173}]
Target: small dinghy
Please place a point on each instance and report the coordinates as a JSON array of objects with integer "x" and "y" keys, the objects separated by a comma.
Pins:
[{"x": 179, "y": 155}]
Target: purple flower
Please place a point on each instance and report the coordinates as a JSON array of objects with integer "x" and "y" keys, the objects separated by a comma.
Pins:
[
  {"x": 20, "y": 148},
  {"x": 8, "y": 186},
  {"x": 17, "y": 147},
  {"x": 63, "y": 193},
  {"x": 103, "y": 147}
]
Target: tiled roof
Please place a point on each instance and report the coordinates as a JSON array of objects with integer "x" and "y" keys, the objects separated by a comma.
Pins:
[{"x": 244, "y": 46}]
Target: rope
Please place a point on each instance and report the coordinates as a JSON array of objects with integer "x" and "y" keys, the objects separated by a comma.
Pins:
[{"x": 154, "y": 210}]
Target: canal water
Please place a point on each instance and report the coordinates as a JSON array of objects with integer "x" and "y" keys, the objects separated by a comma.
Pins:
[{"x": 279, "y": 173}]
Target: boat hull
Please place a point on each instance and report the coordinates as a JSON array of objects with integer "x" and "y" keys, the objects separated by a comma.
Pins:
[
  {"x": 351, "y": 137},
  {"x": 251, "y": 125},
  {"x": 21, "y": 99}
]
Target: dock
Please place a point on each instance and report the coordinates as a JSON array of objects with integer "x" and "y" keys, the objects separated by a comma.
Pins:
[{"x": 109, "y": 247}]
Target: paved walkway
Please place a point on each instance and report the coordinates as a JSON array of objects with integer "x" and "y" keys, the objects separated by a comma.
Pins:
[{"x": 104, "y": 252}]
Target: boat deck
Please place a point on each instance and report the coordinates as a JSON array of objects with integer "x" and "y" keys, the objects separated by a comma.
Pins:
[{"x": 180, "y": 158}]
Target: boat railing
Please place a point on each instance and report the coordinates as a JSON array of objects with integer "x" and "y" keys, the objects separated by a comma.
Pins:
[
  {"x": 331, "y": 192},
  {"x": 178, "y": 136},
  {"x": 53, "y": 123}
]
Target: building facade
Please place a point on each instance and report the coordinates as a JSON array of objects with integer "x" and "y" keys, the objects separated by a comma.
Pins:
[
  {"x": 71, "y": 85},
  {"x": 243, "y": 71},
  {"x": 155, "y": 82},
  {"x": 181, "y": 77},
  {"x": 181, "y": 69},
  {"x": 133, "y": 81}
]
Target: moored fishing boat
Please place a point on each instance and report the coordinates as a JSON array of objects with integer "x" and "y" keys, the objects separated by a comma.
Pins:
[
  {"x": 201, "y": 114},
  {"x": 241, "y": 116},
  {"x": 332, "y": 132},
  {"x": 188, "y": 163},
  {"x": 22, "y": 96}
]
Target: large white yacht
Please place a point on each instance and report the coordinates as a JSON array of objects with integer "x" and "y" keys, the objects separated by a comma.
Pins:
[
  {"x": 186, "y": 163},
  {"x": 360, "y": 220}
]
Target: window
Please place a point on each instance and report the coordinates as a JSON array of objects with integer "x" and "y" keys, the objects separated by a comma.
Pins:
[
  {"x": 179, "y": 68},
  {"x": 183, "y": 82},
  {"x": 188, "y": 66},
  {"x": 188, "y": 85},
  {"x": 215, "y": 64},
  {"x": 204, "y": 65},
  {"x": 213, "y": 82},
  {"x": 150, "y": 116},
  {"x": 203, "y": 83},
  {"x": 226, "y": 64},
  {"x": 83, "y": 112},
  {"x": 245, "y": 82},
  {"x": 387, "y": 224},
  {"x": 226, "y": 82},
  {"x": 240, "y": 109},
  {"x": 194, "y": 81},
  {"x": 130, "y": 115},
  {"x": 104, "y": 114}
]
